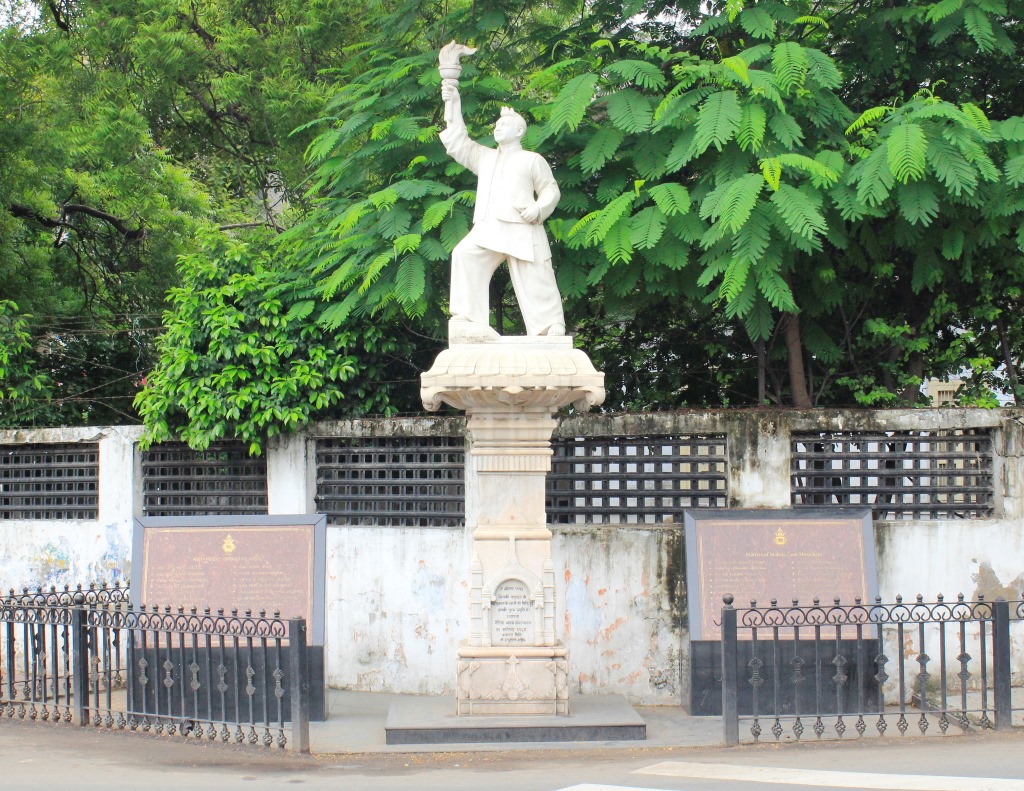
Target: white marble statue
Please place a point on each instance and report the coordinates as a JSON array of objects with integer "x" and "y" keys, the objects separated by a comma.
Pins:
[{"x": 515, "y": 194}]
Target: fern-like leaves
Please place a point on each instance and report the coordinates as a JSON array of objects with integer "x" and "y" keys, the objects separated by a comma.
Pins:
[
  {"x": 718, "y": 120},
  {"x": 952, "y": 168},
  {"x": 750, "y": 133},
  {"x": 906, "y": 147},
  {"x": 572, "y": 102},
  {"x": 737, "y": 201},
  {"x": 1013, "y": 171},
  {"x": 630, "y": 111},
  {"x": 875, "y": 179},
  {"x": 671, "y": 198},
  {"x": 790, "y": 65},
  {"x": 640, "y": 73},
  {"x": 600, "y": 148},
  {"x": 757, "y": 22},
  {"x": 799, "y": 212},
  {"x": 647, "y": 227},
  {"x": 411, "y": 279},
  {"x": 618, "y": 243},
  {"x": 918, "y": 202}
]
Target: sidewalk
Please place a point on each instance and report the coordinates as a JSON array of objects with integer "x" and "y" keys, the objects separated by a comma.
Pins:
[{"x": 356, "y": 725}]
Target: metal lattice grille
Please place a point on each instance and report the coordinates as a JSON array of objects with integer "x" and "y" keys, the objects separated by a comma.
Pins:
[
  {"x": 391, "y": 481},
  {"x": 636, "y": 480},
  {"x": 898, "y": 474},
  {"x": 49, "y": 481},
  {"x": 223, "y": 479}
]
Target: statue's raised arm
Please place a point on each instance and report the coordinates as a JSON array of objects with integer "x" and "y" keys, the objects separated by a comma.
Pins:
[
  {"x": 515, "y": 193},
  {"x": 449, "y": 65}
]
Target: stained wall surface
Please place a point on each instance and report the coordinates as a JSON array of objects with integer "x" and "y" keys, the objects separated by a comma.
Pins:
[{"x": 397, "y": 595}]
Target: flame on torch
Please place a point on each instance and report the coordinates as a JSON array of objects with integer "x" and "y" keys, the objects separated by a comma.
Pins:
[{"x": 451, "y": 69}]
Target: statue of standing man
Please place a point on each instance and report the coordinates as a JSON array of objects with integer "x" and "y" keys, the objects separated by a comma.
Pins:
[{"x": 515, "y": 194}]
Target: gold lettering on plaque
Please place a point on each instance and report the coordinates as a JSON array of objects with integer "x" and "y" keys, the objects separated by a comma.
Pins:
[
  {"x": 229, "y": 544},
  {"x": 780, "y": 537}
]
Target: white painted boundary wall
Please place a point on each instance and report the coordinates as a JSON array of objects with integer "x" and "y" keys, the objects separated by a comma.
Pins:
[{"x": 396, "y": 596}]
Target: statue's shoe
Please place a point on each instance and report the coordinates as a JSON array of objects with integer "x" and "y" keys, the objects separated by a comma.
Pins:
[{"x": 461, "y": 330}]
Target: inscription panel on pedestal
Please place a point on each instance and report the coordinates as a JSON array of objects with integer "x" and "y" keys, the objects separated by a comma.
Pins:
[
  {"x": 785, "y": 555},
  {"x": 512, "y": 614},
  {"x": 271, "y": 563}
]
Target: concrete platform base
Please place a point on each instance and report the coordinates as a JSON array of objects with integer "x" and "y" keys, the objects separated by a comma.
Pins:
[{"x": 434, "y": 721}]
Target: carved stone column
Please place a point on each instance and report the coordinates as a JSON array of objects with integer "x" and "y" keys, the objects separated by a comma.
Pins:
[{"x": 510, "y": 388}]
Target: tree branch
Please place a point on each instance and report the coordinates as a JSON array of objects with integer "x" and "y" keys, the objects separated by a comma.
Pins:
[
  {"x": 26, "y": 213},
  {"x": 114, "y": 222},
  {"x": 260, "y": 224},
  {"x": 129, "y": 234},
  {"x": 58, "y": 20},
  {"x": 199, "y": 30}
]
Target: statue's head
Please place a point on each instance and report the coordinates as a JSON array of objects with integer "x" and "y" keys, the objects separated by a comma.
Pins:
[{"x": 511, "y": 126}]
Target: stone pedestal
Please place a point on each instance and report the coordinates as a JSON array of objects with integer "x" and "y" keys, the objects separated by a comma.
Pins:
[{"x": 510, "y": 388}]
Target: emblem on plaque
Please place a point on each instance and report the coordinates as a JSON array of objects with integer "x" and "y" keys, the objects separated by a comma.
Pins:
[
  {"x": 780, "y": 537},
  {"x": 229, "y": 544}
]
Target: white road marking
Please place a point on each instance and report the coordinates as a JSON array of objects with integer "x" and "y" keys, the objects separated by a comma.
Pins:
[
  {"x": 592, "y": 787},
  {"x": 815, "y": 777}
]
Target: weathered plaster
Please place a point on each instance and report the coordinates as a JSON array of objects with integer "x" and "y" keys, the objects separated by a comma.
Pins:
[
  {"x": 621, "y": 610},
  {"x": 59, "y": 552},
  {"x": 397, "y": 599},
  {"x": 396, "y": 608}
]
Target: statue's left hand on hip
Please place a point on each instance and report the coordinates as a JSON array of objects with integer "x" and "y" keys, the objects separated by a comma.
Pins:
[{"x": 531, "y": 213}]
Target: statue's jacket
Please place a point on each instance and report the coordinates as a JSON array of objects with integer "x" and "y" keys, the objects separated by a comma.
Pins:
[{"x": 509, "y": 180}]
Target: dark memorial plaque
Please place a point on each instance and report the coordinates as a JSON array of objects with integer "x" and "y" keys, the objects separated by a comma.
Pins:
[
  {"x": 252, "y": 568},
  {"x": 272, "y": 563},
  {"x": 783, "y": 555},
  {"x": 512, "y": 618}
]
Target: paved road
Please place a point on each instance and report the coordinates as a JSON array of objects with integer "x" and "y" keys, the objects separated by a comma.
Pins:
[{"x": 38, "y": 756}]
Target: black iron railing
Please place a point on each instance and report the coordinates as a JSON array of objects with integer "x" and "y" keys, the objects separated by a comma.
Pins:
[
  {"x": 90, "y": 657},
  {"x": 92, "y": 594},
  {"x": 827, "y": 667}
]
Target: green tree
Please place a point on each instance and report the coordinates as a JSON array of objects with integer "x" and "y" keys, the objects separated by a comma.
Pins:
[
  {"x": 722, "y": 166},
  {"x": 126, "y": 128},
  {"x": 22, "y": 385},
  {"x": 239, "y": 360}
]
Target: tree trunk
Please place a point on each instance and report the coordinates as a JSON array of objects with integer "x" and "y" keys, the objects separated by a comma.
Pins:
[
  {"x": 795, "y": 353},
  {"x": 761, "y": 366},
  {"x": 1011, "y": 369},
  {"x": 915, "y": 367}
]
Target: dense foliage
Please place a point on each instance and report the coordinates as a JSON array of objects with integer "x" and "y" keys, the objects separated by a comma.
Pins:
[
  {"x": 126, "y": 130},
  {"x": 861, "y": 233},
  {"x": 762, "y": 201},
  {"x": 236, "y": 362}
]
